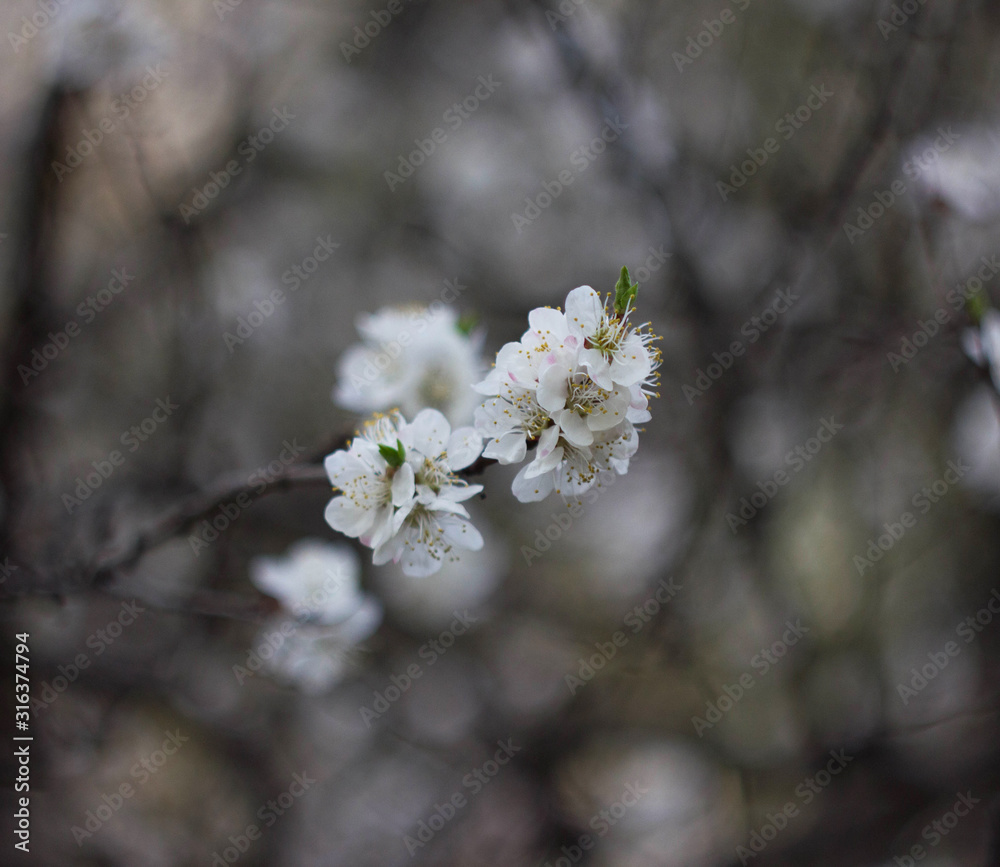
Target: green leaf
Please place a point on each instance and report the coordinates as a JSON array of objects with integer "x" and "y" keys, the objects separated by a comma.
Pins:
[
  {"x": 394, "y": 457},
  {"x": 466, "y": 323},
  {"x": 625, "y": 291},
  {"x": 977, "y": 306}
]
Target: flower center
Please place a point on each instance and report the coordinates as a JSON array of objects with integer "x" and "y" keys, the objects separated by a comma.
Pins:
[
  {"x": 585, "y": 394},
  {"x": 434, "y": 475},
  {"x": 436, "y": 388},
  {"x": 609, "y": 336}
]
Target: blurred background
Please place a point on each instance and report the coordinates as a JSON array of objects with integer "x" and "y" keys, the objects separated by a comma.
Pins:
[{"x": 799, "y": 566}]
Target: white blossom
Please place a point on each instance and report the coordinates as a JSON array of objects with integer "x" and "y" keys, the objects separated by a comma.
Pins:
[
  {"x": 316, "y": 581},
  {"x": 412, "y": 358},
  {"x": 400, "y": 492},
  {"x": 613, "y": 351},
  {"x": 311, "y": 657},
  {"x": 574, "y": 386},
  {"x": 317, "y": 584}
]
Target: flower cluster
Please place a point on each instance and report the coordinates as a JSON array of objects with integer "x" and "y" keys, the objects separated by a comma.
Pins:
[
  {"x": 400, "y": 494},
  {"x": 571, "y": 390},
  {"x": 574, "y": 386},
  {"x": 412, "y": 358},
  {"x": 317, "y": 584}
]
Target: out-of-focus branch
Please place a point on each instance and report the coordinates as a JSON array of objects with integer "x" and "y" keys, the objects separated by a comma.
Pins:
[
  {"x": 188, "y": 511},
  {"x": 199, "y": 505},
  {"x": 28, "y": 313}
]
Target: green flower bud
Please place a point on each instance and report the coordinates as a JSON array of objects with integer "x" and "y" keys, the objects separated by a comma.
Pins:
[{"x": 625, "y": 291}]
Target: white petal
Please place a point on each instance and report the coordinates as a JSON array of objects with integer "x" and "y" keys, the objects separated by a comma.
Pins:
[
  {"x": 544, "y": 464},
  {"x": 347, "y": 518},
  {"x": 429, "y": 432},
  {"x": 574, "y": 428},
  {"x": 631, "y": 363},
  {"x": 461, "y": 533},
  {"x": 583, "y": 310},
  {"x": 612, "y": 412},
  {"x": 598, "y": 367},
  {"x": 548, "y": 441},
  {"x": 464, "y": 447},
  {"x": 495, "y": 417},
  {"x": 382, "y": 527},
  {"x": 458, "y": 493},
  {"x": 531, "y": 490},
  {"x": 491, "y": 385},
  {"x": 545, "y": 321},
  {"x": 507, "y": 449},
  {"x": 553, "y": 387},
  {"x": 390, "y": 549},
  {"x": 416, "y": 560},
  {"x": 402, "y": 485},
  {"x": 343, "y": 467},
  {"x": 442, "y": 504}
]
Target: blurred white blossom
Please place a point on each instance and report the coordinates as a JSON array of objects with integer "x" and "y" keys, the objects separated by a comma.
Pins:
[
  {"x": 412, "y": 358},
  {"x": 317, "y": 583},
  {"x": 982, "y": 344},
  {"x": 965, "y": 176}
]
